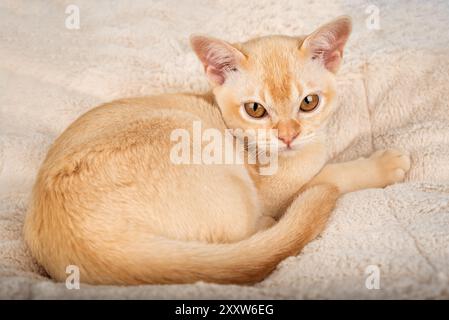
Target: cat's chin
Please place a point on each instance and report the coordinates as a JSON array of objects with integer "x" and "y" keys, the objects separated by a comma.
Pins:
[{"x": 288, "y": 152}]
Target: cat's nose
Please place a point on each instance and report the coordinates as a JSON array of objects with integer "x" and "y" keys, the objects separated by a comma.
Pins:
[
  {"x": 288, "y": 139},
  {"x": 288, "y": 130}
]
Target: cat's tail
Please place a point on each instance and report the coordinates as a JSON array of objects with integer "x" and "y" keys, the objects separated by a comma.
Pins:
[{"x": 159, "y": 260}]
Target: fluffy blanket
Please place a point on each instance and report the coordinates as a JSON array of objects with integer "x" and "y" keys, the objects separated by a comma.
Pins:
[{"x": 393, "y": 93}]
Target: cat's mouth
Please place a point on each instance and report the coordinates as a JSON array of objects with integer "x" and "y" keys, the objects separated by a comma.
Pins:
[
  {"x": 289, "y": 149},
  {"x": 281, "y": 147},
  {"x": 296, "y": 145}
]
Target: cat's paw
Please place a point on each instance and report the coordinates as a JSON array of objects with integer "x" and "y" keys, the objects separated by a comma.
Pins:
[{"x": 391, "y": 166}]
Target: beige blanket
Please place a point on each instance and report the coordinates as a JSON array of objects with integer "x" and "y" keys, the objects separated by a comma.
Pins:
[{"x": 393, "y": 93}]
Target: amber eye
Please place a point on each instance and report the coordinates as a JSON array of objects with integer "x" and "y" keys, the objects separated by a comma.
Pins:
[
  {"x": 255, "y": 110},
  {"x": 309, "y": 103}
]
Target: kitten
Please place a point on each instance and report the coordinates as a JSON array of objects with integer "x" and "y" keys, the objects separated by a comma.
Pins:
[{"x": 109, "y": 200}]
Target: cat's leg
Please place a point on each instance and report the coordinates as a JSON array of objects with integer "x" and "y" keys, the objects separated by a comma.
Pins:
[{"x": 382, "y": 168}]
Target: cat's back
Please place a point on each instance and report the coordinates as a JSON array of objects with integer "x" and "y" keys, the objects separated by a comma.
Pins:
[
  {"x": 112, "y": 167},
  {"x": 120, "y": 123}
]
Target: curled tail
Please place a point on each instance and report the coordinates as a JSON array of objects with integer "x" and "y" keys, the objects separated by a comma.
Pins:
[{"x": 159, "y": 260}]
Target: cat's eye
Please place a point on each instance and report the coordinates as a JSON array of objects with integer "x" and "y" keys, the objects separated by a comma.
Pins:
[
  {"x": 255, "y": 110},
  {"x": 310, "y": 102}
]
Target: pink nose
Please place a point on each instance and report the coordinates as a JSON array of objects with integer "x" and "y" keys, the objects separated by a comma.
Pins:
[
  {"x": 288, "y": 139},
  {"x": 288, "y": 130}
]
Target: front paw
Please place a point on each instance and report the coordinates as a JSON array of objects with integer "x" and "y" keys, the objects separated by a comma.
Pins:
[{"x": 391, "y": 166}]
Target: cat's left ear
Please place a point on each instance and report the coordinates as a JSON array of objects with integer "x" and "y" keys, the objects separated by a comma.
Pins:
[
  {"x": 218, "y": 57},
  {"x": 327, "y": 42}
]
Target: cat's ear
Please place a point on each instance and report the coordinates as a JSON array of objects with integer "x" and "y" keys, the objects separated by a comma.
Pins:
[
  {"x": 218, "y": 57},
  {"x": 327, "y": 43}
]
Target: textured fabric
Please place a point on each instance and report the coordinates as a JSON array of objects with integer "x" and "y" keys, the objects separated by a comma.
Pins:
[{"x": 393, "y": 93}]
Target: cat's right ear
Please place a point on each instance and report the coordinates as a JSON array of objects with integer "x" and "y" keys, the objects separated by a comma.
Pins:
[{"x": 218, "y": 57}]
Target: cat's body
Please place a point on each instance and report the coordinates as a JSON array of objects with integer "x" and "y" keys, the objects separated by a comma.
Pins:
[{"x": 109, "y": 200}]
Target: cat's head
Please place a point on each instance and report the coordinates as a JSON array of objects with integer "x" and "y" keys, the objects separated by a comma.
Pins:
[{"x": 276, "y": 82}]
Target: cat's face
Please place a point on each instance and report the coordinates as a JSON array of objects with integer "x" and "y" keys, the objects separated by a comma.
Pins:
[{"x": 277, "y": 82}]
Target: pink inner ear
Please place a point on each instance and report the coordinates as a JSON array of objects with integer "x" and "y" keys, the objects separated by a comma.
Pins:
[
  {"x": 215, "y": 75},
  {"x": 332, "y": 60},
  {"x": 331, "y": 55},
  {"x": 218, "y": 63},
  {"x": 329, "y": 50},
  {"x": 218, "y": 57},
  {"x": 328, "y": 42}
]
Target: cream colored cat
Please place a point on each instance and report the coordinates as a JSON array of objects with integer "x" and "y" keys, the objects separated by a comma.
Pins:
[{"x": 109, "y": 200}]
